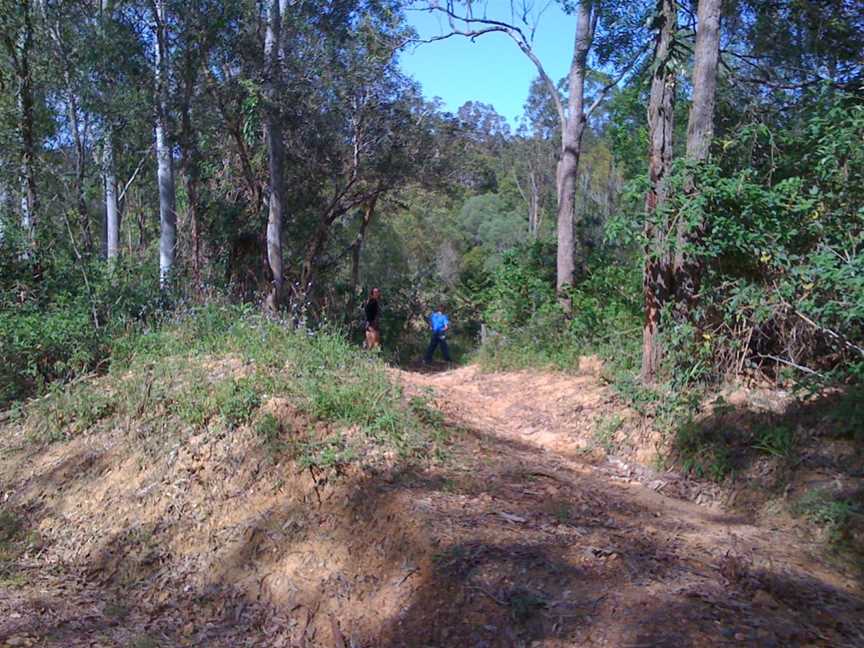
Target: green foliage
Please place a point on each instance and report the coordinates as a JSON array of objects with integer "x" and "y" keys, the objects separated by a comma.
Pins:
[
  {"x": 529, "y": 327},
  {"x": 604, "y": 433},
  {"x": 848, "y": 414},
  {"x": 784, "y": 246},
  {"x": 62, "y": 325},
  {"x": 195, "y": 369},
  {"x": 269, "y": 430},
  {"x": 10, "y": 526},
  {"x": 826, "y": 511},
  {"x": 775, "y": 440},
  {"x": 67, "y": 411},
  {"x": 702, "y": 452},
  {"x": 237, "y": 400},
  {"x": 525, "y": 605}
]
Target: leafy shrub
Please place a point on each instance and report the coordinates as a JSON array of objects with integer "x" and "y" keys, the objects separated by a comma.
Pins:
[
  {"x": 58, "y": 319},
  {"x": 702, "y": 452},
  {"x": 775, "y": 440},
  {"x": 165, "y": 370},
  {"x": 826, "y": 511},
  {"x": 783, "y": 248},
  {"x": 530, "y": 327}
]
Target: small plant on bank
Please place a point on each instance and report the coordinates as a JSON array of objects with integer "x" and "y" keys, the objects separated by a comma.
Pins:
[
  {"x": 775, "y": 440},
  {"x": 604, "y": 433},
  {"x": 702, "y": 453},
  {"x": 827, "y": 512}
]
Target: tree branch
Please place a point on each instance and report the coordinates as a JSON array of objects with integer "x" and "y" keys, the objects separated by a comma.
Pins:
[
  {"x": 134, "y": 174},
  {"x": 614, "y": 82},
  {"x": 488, "y": 26}
]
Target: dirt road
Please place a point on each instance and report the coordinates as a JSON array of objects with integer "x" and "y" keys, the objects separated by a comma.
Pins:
[
  {"x": 518, "y": 535},
  {"x": 572, "y": 551}
]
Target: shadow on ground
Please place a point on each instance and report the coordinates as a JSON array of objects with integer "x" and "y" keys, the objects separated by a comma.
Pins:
[{"x": 502, "y": 544}]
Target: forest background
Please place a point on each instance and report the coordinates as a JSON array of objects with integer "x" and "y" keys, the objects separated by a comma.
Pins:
[{"x": 688, "y": 202}]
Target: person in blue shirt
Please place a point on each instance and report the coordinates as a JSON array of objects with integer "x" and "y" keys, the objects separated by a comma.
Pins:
[{"x": 440, "y": 325}]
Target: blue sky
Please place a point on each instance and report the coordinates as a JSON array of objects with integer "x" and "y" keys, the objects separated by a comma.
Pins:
[{"x": 491, "y": 69}]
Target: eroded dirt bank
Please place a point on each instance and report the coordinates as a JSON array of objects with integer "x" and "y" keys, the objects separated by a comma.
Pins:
[{"x": 516, "y": 537}]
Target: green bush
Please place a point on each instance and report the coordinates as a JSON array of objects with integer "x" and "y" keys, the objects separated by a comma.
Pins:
[
  {"x": 58, "y": 320},
  {"x": 531, "y": 329},
  {"x": 826, "y": 511}
]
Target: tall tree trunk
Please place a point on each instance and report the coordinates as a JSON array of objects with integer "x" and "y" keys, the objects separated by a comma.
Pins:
[
  {"x": 657, "y": 271},
  {"x": 112, "y": 212},
  {"x": 5, "y": 208},
  {"x": 700, "y": 133},
  {"x": 571, "y": 148},
  {"x": 78, "y": 138},
  {"x": 357, "y": 251},
  {"x": 275, "y": 148},
  {"x": 165, "y": 161},
  {"x": 310, "y": 258},
  {"x": 80, "y": 176},
  {"x": 189, "y": 159},
  {"x": 111, "y": 223},
  {"x": 29, "y": 195}
]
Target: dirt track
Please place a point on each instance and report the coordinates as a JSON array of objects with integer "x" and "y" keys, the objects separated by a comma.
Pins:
[
  {"x": 618, "y": 563},
  {"x": 519, "y": 536}
]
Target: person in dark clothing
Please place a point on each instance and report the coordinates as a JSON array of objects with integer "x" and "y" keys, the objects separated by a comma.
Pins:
[
  {"x": 440, "y": 324},
  {"x": 373, "y": 319}
]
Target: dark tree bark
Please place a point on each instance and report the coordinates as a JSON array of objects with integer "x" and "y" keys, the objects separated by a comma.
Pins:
[
  {"x": 190, "y": 163},
  {"x": 357, "y": 251},
  {"x": 80, "y": 168},
  {"x": 657, "y": 271},
  {"x": 700, "y": 133},
  {"x": 232, "y": 116}
]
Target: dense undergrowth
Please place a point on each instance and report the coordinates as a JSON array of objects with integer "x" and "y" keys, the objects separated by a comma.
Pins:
[
  {"x": 220, "y": 367},
  {"x": 781, "y": 305}
]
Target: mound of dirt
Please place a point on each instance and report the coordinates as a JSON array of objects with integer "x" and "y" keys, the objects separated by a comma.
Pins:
[{"x": 516, "y": 537}]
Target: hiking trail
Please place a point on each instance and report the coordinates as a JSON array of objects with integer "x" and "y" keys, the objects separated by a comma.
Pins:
[{"x": 521, "y": 535}]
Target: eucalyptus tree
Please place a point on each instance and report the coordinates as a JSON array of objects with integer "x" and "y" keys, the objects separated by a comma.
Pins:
[
  {"x": 18, "y": 27},
  {"x": 657, "y": 274},
  {"x": 164, "y": 155},
  {"x": 687, "y": 266},
  {"x": 275, "y": 148},
  {"x": 370, "y": 150},
  {"x": 109, "y": 168},
  {"x": 620, "y": 37},
  {"x": 66, "y": 28}
]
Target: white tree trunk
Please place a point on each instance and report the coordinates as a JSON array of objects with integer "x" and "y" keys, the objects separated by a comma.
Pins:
[
  {"x": 164, "y": 158},
  {"x": 275, "y": 148},
  {"x": 109, "y": 172},
  {"x": 112, "y": 213},
  {"x": 5, "y": 205}
]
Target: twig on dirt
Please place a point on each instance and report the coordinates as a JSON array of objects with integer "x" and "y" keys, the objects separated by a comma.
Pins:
[
  {"x": 337, "y": 637},
  {"x": 596, "y": 602},
  {"x": 489, "y": 594},
  {"x": 407, "y": 576}
]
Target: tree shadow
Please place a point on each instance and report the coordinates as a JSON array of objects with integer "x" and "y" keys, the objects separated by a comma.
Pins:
[
  {"x": 501, "y": 545},
  {"x": 768, "y": 442}
]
